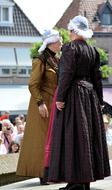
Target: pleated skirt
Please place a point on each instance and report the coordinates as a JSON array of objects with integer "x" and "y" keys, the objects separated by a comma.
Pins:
[{"x": 79, "y": 149}]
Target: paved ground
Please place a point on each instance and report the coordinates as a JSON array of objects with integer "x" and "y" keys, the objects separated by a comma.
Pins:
[{"x": 33, "y": 184}]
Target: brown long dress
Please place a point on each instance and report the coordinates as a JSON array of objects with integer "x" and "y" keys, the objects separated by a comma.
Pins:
[{"x": 42, "y": 84}]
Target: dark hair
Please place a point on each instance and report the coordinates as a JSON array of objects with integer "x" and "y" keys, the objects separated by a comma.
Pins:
[{"x": 10, "y": 147}]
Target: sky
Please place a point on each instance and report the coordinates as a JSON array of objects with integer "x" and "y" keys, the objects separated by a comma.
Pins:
[{"x": 44, "y": 14}]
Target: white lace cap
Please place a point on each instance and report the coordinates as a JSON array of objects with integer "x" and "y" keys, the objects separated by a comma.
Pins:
[
  {"x": 50, "y": 36},
  {"x": 80, "y": 26}
]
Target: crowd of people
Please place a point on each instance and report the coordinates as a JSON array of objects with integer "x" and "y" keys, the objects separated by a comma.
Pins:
[{"x": 11, "y": 133}]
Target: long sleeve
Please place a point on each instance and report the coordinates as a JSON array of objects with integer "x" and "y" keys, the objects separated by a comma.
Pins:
[
  {"x": 66, "y": 72},
  {"x": 36, "y": 79},
  {"x": 97, "y": 78}
]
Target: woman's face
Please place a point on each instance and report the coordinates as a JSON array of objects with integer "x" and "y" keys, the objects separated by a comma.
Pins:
[
  {"x": 15, "y": 148},
  {"x": 7, "y": 130},
  {"x": 74, "y": 36},
  {"x": 20, "y": 129},
  {"x": 71, "y": 34},
  {"x": 56, "y": 47}
]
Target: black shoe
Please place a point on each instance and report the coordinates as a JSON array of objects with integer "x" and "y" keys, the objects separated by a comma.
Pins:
[
  {"x": 43, "y": 182},
  {"x": 66, "y": 187},
  {"x": 77, "y": 186}
]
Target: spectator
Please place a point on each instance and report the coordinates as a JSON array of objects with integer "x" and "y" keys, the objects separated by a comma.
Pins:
[
  {"x": 5, "y": 115},
  {"x": 17, "y": 121},
  {"x": 7, "y": 133},
  {"x": 20, "y": 134},
  {"x": 14, "y": 147},
  {"x": 22, "y": 118},
  {"x": 19, "y": 138},
  {"x": 3, "y": 149},
  {"x": 20, "y": 129}
]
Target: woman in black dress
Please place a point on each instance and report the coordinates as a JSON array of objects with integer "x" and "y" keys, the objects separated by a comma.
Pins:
[{"x": 79, "y": 151}]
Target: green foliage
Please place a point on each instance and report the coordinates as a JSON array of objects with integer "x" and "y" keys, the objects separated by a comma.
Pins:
[
  {"x": 64, "y": 34},
  {"x": 34, "y": 49},
  {"x": 103, "y": 55},
  {"x": 106, "y": 71},
  {"x": 91, "y": 42}
]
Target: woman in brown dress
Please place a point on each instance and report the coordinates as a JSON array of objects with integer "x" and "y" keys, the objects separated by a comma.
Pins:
[
  {"x": 42, "y": 85},
  {"x": 79, "y": 151}
]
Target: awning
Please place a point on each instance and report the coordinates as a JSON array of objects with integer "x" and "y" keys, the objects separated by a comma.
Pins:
[
  {"x": 15, "y": 57},
  {"x": 7, "y": 57},
  {"x": 23, "y": 57},
  {"x": 14, "y": 97},
  {"x": 107, "y": 95}
]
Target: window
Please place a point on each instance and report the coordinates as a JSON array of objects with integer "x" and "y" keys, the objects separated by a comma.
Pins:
[
  {"x": 23, "y": 56},
  {"x": 22, "y": 71},
  {"x": 5, "y": 71},
  {"x": 4, "y": 14},
  {"x": 107, "y": 19},
  {"x": 106, "y": 14},
  {"x": 7, "y": 57},
  {"x": 15, "y": 63},
  {"x": 14, "y": 71},
  {"x": 29, "y": 71}
]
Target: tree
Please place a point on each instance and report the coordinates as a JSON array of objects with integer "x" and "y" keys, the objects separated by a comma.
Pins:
[
  {"x": 34, "y": 49},
  {"x": 106, "y": 71},
  {"x": 64, "y": 34}
]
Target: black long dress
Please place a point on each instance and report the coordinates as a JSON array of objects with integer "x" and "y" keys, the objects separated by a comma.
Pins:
[{"x": 79, "y": 149}]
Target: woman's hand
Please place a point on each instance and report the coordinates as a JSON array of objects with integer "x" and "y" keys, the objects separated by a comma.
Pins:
[
  {"x": 60, "y": 105},
  {"x": 43, "y": 110}
]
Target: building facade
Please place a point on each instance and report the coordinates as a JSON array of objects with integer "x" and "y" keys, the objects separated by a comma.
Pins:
[{"x": 17, "y": 34}]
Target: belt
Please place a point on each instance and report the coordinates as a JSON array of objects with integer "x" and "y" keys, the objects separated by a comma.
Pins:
[{"x": 83, "y": 83}]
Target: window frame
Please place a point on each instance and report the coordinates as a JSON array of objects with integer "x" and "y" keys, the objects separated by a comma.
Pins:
[
  {"x": 3, "y": 73},
  {"x": 106, "y": 22},
  {"x": 9, "y": 21},
  {"x": 106, "y": 12},
  {"x": 1, "y": 13}
]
